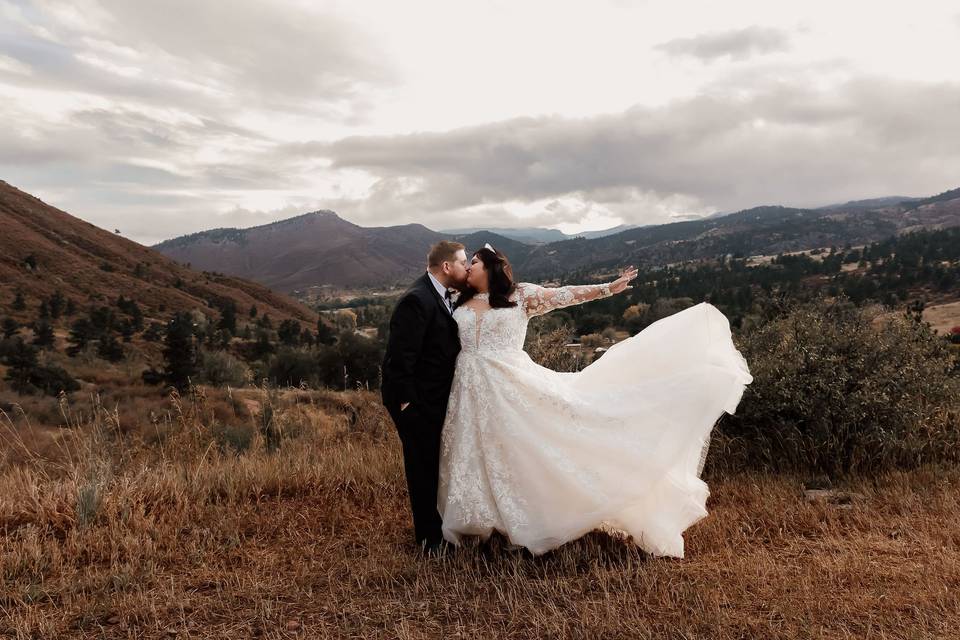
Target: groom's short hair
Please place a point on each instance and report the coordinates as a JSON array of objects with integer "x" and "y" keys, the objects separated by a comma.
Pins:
[{"x": 443, "y": 251}]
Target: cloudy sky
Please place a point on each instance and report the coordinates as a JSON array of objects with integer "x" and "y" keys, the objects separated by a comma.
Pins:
[{"x": 168, "y": 117}]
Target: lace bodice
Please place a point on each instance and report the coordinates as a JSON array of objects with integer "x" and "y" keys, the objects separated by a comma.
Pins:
[{"x": 483, "y": 329}]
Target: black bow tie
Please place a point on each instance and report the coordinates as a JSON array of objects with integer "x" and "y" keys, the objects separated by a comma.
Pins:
[{"x": 446, "y": 294}]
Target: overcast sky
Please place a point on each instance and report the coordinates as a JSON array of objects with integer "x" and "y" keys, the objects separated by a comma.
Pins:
[{"x": 162, "y": 118}]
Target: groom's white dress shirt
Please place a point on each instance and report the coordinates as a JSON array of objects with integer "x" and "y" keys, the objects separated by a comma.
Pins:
[{"x": 442, "y": 290}]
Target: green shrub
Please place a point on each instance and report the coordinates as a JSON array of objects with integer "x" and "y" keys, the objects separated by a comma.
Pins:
[
  {"x": 291, "y": 367},
  {"x": 840, "y": 389},
  {"x": 351, "y": 362},
  {"x": 221, "y": 368},
  {"x": 27, "y": 375},
  {"x": 233, "y": 437}
]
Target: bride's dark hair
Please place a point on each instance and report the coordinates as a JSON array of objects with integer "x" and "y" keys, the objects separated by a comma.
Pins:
[{"x": 499, "y": 279}]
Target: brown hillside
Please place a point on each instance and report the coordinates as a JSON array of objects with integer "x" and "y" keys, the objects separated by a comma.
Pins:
[
  {"x": 317, "y": 248},
  {"x": 43, "y": 249}
]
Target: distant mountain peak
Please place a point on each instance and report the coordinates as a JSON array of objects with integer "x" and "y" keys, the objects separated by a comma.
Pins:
[
  {"x": 310, "y": 216},
  {"x": 310, "y": 249}
]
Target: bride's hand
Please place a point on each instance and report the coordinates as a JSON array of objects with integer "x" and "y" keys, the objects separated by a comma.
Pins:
[{"x": 620, "y": 284}]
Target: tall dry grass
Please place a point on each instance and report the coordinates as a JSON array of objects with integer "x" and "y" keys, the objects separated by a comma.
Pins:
[{"x": 178, "y": 530}]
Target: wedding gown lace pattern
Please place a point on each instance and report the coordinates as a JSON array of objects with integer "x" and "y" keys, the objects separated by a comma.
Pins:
[{"x": 546, "y": 457}]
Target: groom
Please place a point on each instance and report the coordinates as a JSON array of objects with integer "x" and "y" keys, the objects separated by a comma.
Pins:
[{"x": 418, "y": 368}]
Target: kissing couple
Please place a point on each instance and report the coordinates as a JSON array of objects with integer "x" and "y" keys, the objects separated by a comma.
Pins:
[{"x": 492, "y": 441}]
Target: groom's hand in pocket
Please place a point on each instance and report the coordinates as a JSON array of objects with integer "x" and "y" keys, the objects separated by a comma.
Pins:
[
  {"x": 408, "y": 417},
  {"x": 408, "y": 411}
]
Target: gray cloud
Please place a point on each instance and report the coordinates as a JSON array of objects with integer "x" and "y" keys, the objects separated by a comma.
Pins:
[
  {"x": 160, "y": 150},
  {"x": 782, "y": 144},
  {"x": 146, "y": 135},
  {"x": 110, "y": 145},
  {"x": 738, "y": 44},
  {"x": 748, "y": 141},
  {"x": 200, "y": 56},
  {"x": 287, "y": 59}
]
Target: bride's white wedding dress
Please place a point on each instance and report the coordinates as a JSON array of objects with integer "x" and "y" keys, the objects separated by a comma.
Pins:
[{"x": 545, "y": 457}]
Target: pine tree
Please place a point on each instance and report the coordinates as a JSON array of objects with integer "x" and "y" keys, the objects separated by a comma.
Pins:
[
  {"x": 306, "y": 337},
  {"x": 136, "y": 316},
  {"x": 263, "y": 347},
  {"x": 27, "y": 375},
  {"x": 19, "y": 304},
  {"x": 289, "y": 332},
  {"x": 21, "y": 360},
  {"x": 325, "y": 334},
  {"x": 103, "y": 319},
  {"x": 43, "y": 334},
  {"x": 228, "y": 317},
  {"x": 81, "y": 332},
  {"x": 180, "y": 352},
  {"x": 57, "y": 303},
  {"x": 110, "y": 348},
  {"x": 10, "y": 327},
  {"x": 127, "y": 329}
]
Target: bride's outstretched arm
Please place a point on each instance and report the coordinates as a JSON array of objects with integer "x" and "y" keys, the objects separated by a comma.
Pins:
[{"x": 538, "y": 300}]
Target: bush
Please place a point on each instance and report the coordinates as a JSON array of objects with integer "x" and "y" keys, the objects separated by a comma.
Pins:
[
  {"x": 839, "y": 389},
  {"x": 220, "y": 368},
  {"x": 292, "y": 367},
  {"x": 26, "y": 375},
  {"x": 109, "y": 348},
  {"x": 289, "y": 332},
  {"x": 9, "y": 327},
  {"x": 549, "y": 350},
  {"x": 353, "y": 361},
  {"x": 51, "y": 380},
  {"x": 233, "y": 437},
  {"x": 43, "y": 335}
]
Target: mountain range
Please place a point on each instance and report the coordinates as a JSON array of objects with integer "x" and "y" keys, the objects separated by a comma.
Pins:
[
  {"x": 320, "y": 248},
  {"x": 537, "y": 235},
  {"x": 311, "y": 249},
  {"x": 44, "y": 250}
]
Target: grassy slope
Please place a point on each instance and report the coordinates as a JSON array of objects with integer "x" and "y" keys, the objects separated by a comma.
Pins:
[
  {"x": 87, "y": 263},
  {"x": 183, "y": 540}
]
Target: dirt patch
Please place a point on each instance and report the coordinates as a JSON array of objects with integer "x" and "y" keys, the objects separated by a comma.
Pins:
[{"x": 943, "y": 317}]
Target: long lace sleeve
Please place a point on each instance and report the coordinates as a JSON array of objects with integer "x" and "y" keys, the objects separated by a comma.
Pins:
[{"x": 538, "y": 300}]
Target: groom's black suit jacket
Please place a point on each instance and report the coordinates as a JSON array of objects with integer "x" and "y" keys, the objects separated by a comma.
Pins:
[{"x": 421, "y": 353}]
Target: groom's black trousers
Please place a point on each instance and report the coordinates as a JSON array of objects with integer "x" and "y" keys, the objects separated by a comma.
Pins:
[{"x": 420, "y": 436}]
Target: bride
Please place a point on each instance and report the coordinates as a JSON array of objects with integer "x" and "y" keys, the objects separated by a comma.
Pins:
[{"x": 545, "y": 457}]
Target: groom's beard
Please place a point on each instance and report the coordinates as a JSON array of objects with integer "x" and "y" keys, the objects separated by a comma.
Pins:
[{"x": 459, "y": 286}]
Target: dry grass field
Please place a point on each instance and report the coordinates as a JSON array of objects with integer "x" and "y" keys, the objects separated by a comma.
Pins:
[
  {"x": 168, "y": 531},
  {"x": 943, "y": 317}
]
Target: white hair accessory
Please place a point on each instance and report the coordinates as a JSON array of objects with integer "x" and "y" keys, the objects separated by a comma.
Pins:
[{"x": 486, "y": 245}]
